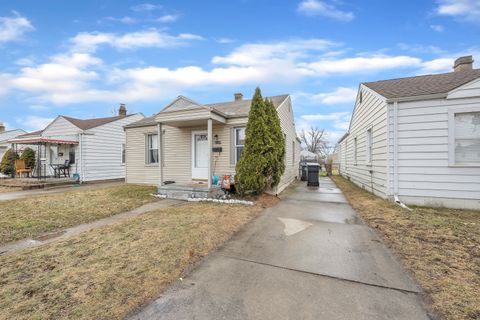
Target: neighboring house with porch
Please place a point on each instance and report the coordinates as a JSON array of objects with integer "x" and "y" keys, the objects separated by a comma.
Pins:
[
  {"x": 417, "y": 139},
  {"x": 6, "y": 135},
  {"x": 94, "y": 149},
  {"x": 199, "y": 141}
]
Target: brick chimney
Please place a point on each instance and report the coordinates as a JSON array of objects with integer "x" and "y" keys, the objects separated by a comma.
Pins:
[
  {"x": 2, "y": 127},
  {"x": 463, "y": 64},
  {"x": 238, "y": 96},
  {"x": 122, "y": 111}
]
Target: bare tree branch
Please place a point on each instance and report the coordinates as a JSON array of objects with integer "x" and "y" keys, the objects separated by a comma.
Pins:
[{"x": 313, "y": 139}]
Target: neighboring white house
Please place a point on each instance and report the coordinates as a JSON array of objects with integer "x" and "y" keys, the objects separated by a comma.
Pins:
[
  {"x": 94, "y": 148},
  {"x": 6, "y": 135},
  {"x": 418, "y": 138},
  {"x": 199, "y": 141}
]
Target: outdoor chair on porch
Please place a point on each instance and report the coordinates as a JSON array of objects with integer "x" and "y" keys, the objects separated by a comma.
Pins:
[
  {"x": 61, "y": 169},
  {"x": 21, "y": 169}
]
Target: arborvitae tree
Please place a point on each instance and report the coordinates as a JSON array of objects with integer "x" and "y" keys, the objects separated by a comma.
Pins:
[
  {"x": 276, "y": 166},
  {"x": 28, "y": 155},
  {"x": 7, "y": 166},
  {"x": 261, "y": 162}
]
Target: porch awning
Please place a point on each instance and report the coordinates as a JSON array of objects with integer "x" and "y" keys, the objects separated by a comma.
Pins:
[{"x": 37, "y": 140}]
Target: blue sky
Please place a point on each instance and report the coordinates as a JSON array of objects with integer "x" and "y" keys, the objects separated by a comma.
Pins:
[{"x": 83, "y": 58}]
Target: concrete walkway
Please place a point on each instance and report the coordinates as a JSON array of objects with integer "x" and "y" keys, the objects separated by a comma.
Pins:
[
  {"x": 309, "y": 257},
  {"x": 16, "y": 246},
  {"x": 40, "y": 192}
]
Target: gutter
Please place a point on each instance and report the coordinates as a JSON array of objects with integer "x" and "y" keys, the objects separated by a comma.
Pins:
[
  {"x": 395, "y": 157},
  {"x": 418, "y": 98}
]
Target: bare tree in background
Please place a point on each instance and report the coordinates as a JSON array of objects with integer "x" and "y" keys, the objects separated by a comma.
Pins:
[{"x": 314, "y": 139}]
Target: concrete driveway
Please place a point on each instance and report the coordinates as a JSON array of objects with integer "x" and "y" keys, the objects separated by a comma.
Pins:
[{"x": 309, "y": 257}]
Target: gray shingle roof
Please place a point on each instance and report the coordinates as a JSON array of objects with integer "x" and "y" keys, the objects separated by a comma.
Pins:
[
  {"x": 86, "y": 124},
  {"x": 232, "y": 109},
  {"x": 241, "y": 108},
  {"x": 423, "y": 85}
]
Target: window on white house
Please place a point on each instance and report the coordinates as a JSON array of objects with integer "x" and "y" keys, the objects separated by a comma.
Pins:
[
  {"x": 369, "y": 146},
  {"x": 152, "y": 148},
  {"x": 467, "y": 138},
  {"x": 239, "y": 142},
  {"x": 293, "y": 153},
  {"x": 124, "y": 158},
  {"x": 355, "y": 151},
  {"x": 71, "y": 154}
]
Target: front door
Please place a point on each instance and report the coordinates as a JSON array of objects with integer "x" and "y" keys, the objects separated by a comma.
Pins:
[{"x": 199, "y": 155}]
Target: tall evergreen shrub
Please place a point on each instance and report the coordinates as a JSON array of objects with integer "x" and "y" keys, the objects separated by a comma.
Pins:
[
  {"x": 261, "y": 163},
  {"x": 7, "y": 166}
]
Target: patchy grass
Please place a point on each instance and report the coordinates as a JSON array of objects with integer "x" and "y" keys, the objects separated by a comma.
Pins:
[
  {"x": 108, "y": 272},
  {"x": 441, "y": 247},
  {"x": 25, "y": 218},
  {"x": 8, "y": 189}
]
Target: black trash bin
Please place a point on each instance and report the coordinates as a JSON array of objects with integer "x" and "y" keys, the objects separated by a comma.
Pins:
[
  {"x": 313, "y": 170},
  {"x": 304, "y": 172}
]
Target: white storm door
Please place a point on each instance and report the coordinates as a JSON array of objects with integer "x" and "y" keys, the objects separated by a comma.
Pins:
[{"x": 199, "y": 155}]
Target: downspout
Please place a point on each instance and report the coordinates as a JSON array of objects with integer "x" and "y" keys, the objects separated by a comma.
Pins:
[
  {"x": 395, "y": 157},
  {"x": 80, "y": 149}
]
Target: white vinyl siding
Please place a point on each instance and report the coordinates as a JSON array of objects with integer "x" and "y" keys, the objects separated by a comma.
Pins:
[
  {"x": 100, "y": 150},
  {"x": 427, "y": 171},
  {"x": 369, "y": 114}
]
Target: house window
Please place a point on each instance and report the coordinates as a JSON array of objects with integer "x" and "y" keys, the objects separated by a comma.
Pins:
[
  {"x": 152, "y": 148},
  {"x": 293, "y": 153},
  {"x": 355, "y": 151},
  {"x": 369, "y": 146},
  {"x": 466, "y": 140},
  {"x": 71, "y": 154},
  {"x": 239, "y": 142},
  {"x": 124, "y": 154}
]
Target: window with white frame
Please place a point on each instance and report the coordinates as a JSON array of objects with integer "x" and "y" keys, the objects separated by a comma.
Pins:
[
  {"x": 152, "y": 148},
  {"x": 239, "y": 142},
  {"x": 355, "y": 151},
  {"x": 466, "y": 139},
  {"x": 369, "y": 146},
  {"x": 123, "y": 154}
]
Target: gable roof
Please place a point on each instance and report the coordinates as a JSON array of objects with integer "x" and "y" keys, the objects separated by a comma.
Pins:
[
  {"x": 423, "y": 85},
  {"x": 241, "y": 108},
  {"x": 86, "y": 124},
  {"x": 9, "y": 134},
  {"x": 230, "y": 109}
]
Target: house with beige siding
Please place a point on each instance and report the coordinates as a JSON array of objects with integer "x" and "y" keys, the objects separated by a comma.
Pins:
[
  {"x": 417, "y": 139},
  {"x": 93, "y": 149},
  {"x": 188, "y": 142}
]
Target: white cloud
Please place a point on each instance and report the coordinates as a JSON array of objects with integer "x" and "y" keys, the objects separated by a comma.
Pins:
[
  {"x": 225, "y": 40},
  {"x": 419, "y": 48},
  {"x": 437, "y": 27},
  {"x": 33, "y": 122},
  {"x": 146, "y": 7},
  {"x": 362, "y": 64},
  {"x": 468, "y": 10},
  {"x": 168, "y": 18},
  {"x": 259, "y": 53},
  {"x": 439, "y": 65},
  {"x": 12, "y": 28},
  {"x": 38, "y": 107},
  {"x": 88, "y": 42},
  {"x": 336, "y": 116},
  {"x": 125, "y": 20},
  {"x": 341, "y": 95},
  {"x": 315, "y": 7},
  {"x": 25, "y": 62}
]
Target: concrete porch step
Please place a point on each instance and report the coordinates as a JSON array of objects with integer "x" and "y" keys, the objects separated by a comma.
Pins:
[{"x": 184, "y": 192}]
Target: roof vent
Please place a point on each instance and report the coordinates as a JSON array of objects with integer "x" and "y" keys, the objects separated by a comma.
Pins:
[
  {"x": 238, "y": 96},
  {"x": 122, "y": 111},
  {"x": 463, "y": 64},
  {"x": 2, "y": 127}
]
